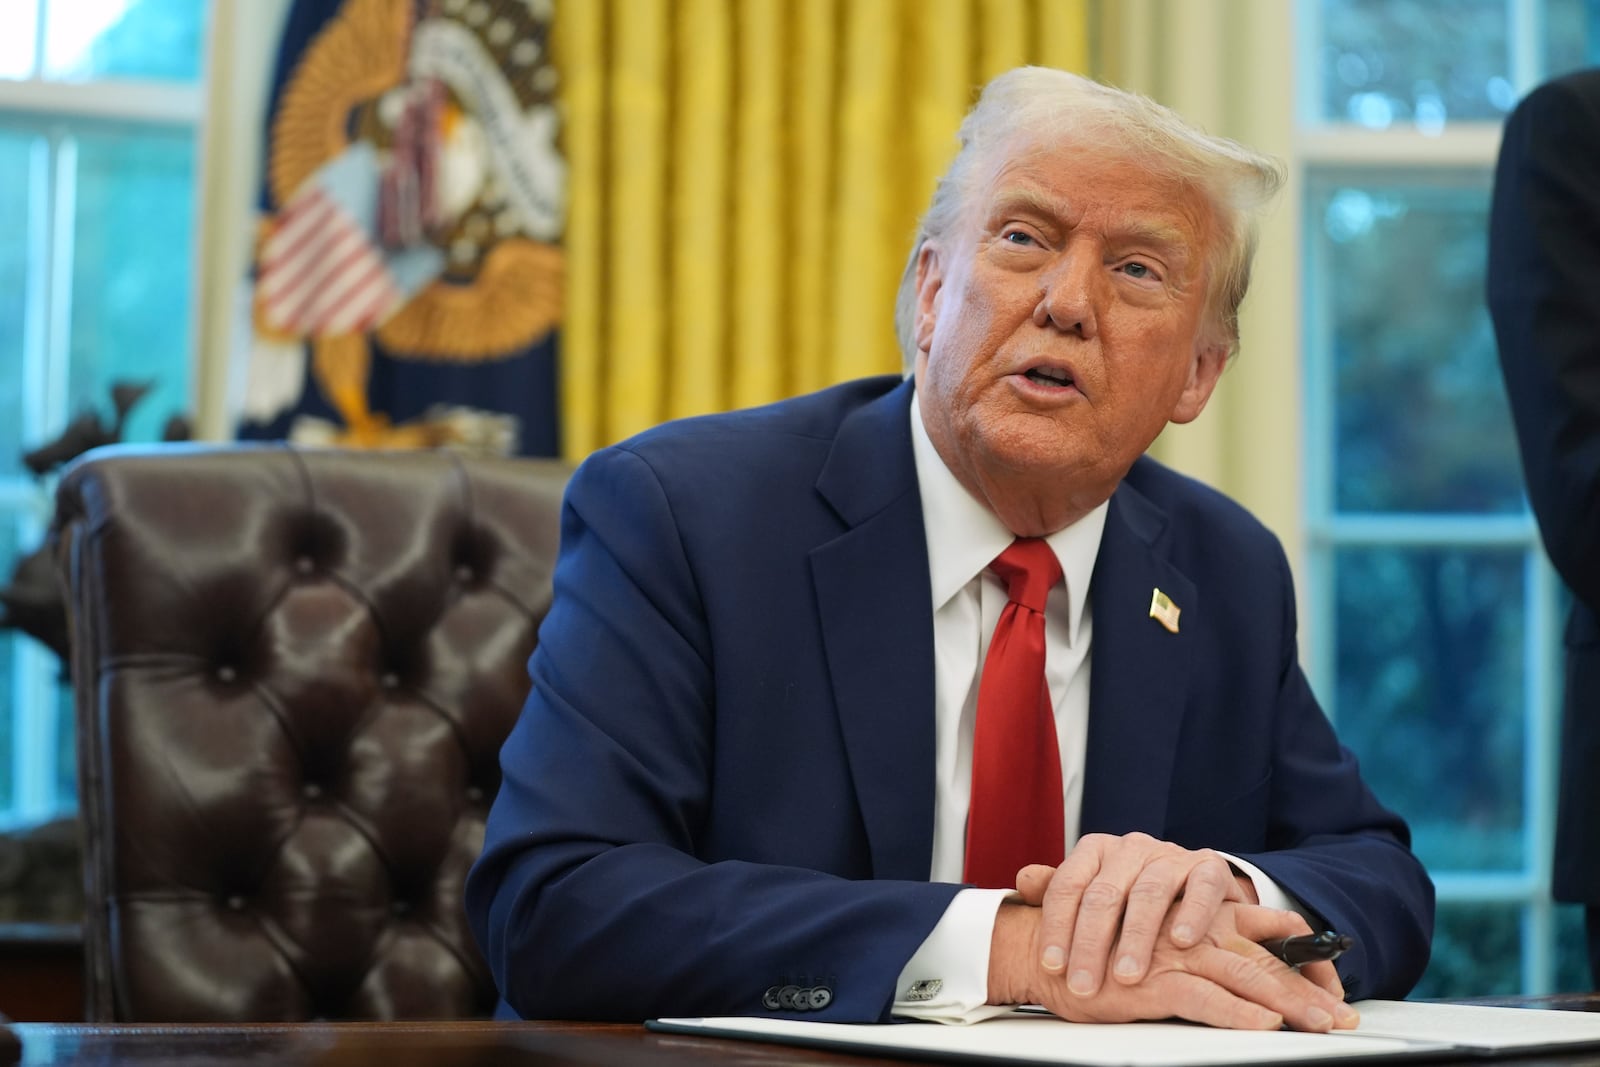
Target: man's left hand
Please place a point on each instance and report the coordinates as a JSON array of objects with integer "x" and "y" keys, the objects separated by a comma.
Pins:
[{"x": 1115, "y": 893}]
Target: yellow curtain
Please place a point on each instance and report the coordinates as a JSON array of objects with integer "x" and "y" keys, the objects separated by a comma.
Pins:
[{"x": 745, "y": 180}]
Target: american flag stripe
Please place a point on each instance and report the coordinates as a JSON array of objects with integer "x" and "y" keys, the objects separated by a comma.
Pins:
[
  {"x": 357, "y": 291},
  {"x": 347, "y": 262},
  {"x": 320, "y": 274},
  {"x": 295, "y": 306},
  {"x": 303, "y": 277},
  {"x": 286, "y": 282},
  {"x": 299, "y": 225},
  {"x": 300, "y": 217},
  {"x": 367, "y": 308}
]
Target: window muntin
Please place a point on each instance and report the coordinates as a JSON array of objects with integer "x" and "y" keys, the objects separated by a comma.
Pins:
[
  {"x": 99, "y": 107},
  {"x": 1433, "y": 618}
]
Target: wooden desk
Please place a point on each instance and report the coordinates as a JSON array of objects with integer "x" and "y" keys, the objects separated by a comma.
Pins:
[
  {"x": 456, "y": 1044},
  {"x": 470, "y": 1044}
]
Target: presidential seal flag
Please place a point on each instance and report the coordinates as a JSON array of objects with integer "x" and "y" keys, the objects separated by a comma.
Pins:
[{"x": 407, "y": 283}]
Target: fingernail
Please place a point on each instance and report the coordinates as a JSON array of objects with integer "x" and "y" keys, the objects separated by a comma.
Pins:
[
  {"x": 1349, "y": 1018},
  {"x": 1054, "y": 959},
  {"x": 1127, "y": 967},
  {"x": 1081, "y": 983},
  {"x": 1183, "y": 934},
  {"x": 1318, "y": 1019}
]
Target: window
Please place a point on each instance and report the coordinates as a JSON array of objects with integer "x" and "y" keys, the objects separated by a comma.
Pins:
[
  {"x": 99, "y": 105},
  {"x": 1435, "y": 618}
]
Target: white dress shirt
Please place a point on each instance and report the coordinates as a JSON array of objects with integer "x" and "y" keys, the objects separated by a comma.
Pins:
[{"x": 947, "y": 979}]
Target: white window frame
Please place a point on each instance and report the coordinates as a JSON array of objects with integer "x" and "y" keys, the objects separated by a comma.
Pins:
[
  {"x": 55, "y": 111},
  {"x": 1322, "y": 146}
]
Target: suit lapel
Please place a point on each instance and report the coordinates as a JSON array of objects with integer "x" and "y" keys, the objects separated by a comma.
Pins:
[
  {"x": 874, "y": 600},
  {"x": 1139, "y": 675}
]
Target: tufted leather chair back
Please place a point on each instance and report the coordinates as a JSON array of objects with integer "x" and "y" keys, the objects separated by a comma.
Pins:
[{"x": 293, "y": 672}]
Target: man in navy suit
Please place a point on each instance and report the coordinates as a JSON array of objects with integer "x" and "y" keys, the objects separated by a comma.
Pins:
[
  {"x": 741, "y": 784},
  {"x": 1544, "y": 296}
]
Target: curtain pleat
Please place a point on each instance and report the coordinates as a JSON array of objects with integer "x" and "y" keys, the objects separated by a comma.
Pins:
[
  {"x": 943, "y": 79},
  {"x": 698, "y": 318},
  {"x": 1002, "y": 36},
  {"x": 759, "y": 255},
  {"x": 746, "y": 178},
  {"x": 1063, "y": 35},
  {"x": 814, "y": 33},
  {"x": 578, "y": 39},
  {"x": 636, "y": 221},
  {"x": 868, "y": 231}
]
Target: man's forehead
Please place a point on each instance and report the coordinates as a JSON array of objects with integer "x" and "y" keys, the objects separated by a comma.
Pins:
[{"x": 1125, "y": 194}]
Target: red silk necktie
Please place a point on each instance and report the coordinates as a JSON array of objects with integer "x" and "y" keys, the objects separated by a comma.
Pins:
[{"x": 1016, "y": 816}]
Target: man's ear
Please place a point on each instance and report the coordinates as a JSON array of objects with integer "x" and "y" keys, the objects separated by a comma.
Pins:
[
  {"x": 930, "y": 277},
  {"x": 1205, "y": 369}
]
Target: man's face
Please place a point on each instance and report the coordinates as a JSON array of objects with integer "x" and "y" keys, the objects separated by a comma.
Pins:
[{"x": 1058, "y": 330}]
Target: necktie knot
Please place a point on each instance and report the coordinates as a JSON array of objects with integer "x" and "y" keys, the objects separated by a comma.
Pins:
[{"x": 1029, "y": 568}]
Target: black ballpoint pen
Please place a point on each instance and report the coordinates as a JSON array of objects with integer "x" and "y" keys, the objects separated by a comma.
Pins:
[{"x": 1309, "y": 948}]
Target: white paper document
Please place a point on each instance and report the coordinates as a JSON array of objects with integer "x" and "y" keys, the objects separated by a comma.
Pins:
[
  {"x": 1389, "y": 1029},
  {"x": 1479, "y": 1028}
]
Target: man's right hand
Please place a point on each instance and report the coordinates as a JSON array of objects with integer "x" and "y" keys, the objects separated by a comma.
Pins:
[{"x": 1226, "y": 979}]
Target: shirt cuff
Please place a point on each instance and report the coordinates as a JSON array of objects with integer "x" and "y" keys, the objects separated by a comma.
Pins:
[
  {"x": 947, "y": 978},
  {"x": 1270, "y": 893}
]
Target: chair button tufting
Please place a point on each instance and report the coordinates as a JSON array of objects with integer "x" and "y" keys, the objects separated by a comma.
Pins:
[
  {"x": 390, "y": 680},
  {"x": 465, "y": 574},
  {"x": 475, "y": 794},
  {"x": 400, "y": 909},
  {"x": 305, "y": 564},
  {"x": 311, "y": 791},
  {"x": 226, "y": 674},
  {"x": 236, "y": 903}
]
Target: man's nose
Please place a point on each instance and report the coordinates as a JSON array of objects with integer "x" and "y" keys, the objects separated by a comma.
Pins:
[{"x": 1067, "y": 299}]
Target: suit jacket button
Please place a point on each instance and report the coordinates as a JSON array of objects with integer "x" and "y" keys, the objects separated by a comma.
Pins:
[
  {"x": 821, "y": 997},
  {"x": 788, "y": 998},
  {"x": 769, "y": 999}
]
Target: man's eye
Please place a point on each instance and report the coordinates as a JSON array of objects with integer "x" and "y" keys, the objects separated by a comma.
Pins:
[
  {"x": 1017, "y": 237},
  {"x": 1137, "y": 270}
]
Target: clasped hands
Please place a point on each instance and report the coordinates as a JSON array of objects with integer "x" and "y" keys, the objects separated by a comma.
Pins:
[{"x": 1131, "y": 928}]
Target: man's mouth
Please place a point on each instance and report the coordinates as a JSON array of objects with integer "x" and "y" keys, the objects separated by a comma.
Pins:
[{"x": 1050, "y": 376}]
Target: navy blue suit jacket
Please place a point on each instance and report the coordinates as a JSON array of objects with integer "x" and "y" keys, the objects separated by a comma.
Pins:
[
  {"x": 724, "y": 776},
  {"x": 1544, "y": 295}
]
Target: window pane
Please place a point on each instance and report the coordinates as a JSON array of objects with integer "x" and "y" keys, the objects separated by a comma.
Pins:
[
  {"x": 131, "y": 275},
  {"x": 1385, "y": 64},
  {"x": 19, "y": 28},
  {"x": 1421, "y": 422},
  {"x": 1430, "y": 664},
  {"x": 158, "y": 39},
  {"x": 15, "y": 154},
  {"x": 8, "y": 671},
  {"x": 1572, "y": 34},
  {"x": 1477, "y": 951}
]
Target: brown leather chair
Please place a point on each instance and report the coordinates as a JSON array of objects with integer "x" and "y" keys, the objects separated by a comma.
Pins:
[{"x": 293, "y": 672}]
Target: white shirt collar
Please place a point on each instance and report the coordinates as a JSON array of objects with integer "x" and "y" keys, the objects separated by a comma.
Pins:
[{"x": 969, "y": 536}]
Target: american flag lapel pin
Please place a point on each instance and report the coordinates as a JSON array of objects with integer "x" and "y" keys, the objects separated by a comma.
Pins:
[{"x": 1163, "y": 610}]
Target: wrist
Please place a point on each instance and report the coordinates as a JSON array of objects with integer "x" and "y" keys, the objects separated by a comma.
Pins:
[
  {"x": 1247, "y": 886},
  {"x": 1010, "y": 949}
]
